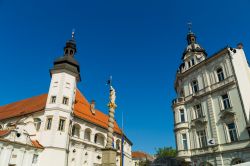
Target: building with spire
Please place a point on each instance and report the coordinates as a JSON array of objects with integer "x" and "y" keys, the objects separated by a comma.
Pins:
[
  {"x": 211, "y": 110},
  {"x": 58, "y": 128}
]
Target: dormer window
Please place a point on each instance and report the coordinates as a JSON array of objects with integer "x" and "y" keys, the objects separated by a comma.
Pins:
[
  {"x": 220, "y": 74},
  {"x": 195, "y": 86}
]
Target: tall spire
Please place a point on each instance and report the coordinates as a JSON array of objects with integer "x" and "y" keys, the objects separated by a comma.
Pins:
[
  {"x": 191, "y": 38},
  {"x": 67, "y": 62},
  {"x": 70, "y": 48}
]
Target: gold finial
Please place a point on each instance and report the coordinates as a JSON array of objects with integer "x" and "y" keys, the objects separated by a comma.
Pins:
[
  {"x": 189, "y": 27},
  {"x": 73, "y": 33}
]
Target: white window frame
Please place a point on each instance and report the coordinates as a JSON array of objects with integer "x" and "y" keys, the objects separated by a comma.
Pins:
[
  {"x": 53, "y": 99},
  {"x": 184, "y": 115},
  {"x": 195, "y": 111},
  {"x": 222, "y": 73},
  {"x": 199, "y": 139},
  {"x": 65, "y": 99},
  {"x": 61, "y": 128},
  {"x": 228, "y": 132},
  {"x": 222, "y": 101},
  {"x": 195, "y": 85},
  {"x": 47, "y": 123},
  {"x": 185, "y": 147}
]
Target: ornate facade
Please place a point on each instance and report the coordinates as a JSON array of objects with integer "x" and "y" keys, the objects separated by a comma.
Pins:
[
  {"x": 212, "y": 107},
  {"x": 59, "y": 128}
]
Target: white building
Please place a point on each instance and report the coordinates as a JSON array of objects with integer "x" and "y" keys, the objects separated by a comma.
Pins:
[
  {"x": 212, "y": 106},
  {"x": 60, "y": 128}
]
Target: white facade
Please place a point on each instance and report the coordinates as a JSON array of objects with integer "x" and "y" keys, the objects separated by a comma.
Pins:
[
  {"x": 211, "y": 110},
  {"x": 67, "y": 140}
]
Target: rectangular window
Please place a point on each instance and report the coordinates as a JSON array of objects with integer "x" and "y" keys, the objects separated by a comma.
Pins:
[
  {"x": 202, "y": 138},
  {"x": 182, "y": 115},
  {"x": 192, "y": 60},
  {"x": 232, "y": 132},
  {"x": 189, "y": 64},
  {"x": 220, "y": 74},
  {"x": 225, "y": 101},
  {"x": 195, "y": 86},
  {"x": 61, "y": 125},
  {"x": 53, "y": 99},
  {"x": 49, "y": 123},
  {"x": 198, "y": 111},
  {"x": 65, "y": 100},
  {"x": 34, "y": 160},
  {"x": 184, "y": 141}
]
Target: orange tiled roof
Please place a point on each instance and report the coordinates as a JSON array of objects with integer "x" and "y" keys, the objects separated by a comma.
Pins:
[
  {"x": 4, "y": 132},
  {"x": 138, "y": 155},
  {"x": 37, "y": 103},
  {"x": 36, "y": 144},
  {"x": 23, "y": 107},
  {"x": 82, "y": 110}
]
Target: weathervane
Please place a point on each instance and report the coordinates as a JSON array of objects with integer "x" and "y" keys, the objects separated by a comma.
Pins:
[
  {"x": 73, "y": 33},
  {"x": 190, "y": 27}
]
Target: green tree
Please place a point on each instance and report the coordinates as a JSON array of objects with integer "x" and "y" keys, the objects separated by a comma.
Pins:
[
  {"x": 144, "y": 163},
  {"x": 165, "y": 151}
]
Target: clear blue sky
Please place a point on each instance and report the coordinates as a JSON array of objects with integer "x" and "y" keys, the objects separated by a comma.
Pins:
[{"x": 139, "y": 43}]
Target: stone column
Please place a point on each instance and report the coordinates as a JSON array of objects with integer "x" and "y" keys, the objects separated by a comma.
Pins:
[{"x": 109, "y": 153}]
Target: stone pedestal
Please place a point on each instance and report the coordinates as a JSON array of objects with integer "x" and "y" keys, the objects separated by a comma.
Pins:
[{"x": 108, "y": 157}]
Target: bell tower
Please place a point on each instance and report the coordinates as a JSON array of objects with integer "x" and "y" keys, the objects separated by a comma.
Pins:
[
  {"x": 193, "y": 53},
  {"x": 56, "y": 122}
]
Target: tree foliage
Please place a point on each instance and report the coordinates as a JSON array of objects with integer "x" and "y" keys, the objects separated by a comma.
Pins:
[{"x": 165, "y": 151}]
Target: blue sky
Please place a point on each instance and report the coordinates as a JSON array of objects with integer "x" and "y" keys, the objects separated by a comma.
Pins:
[{"x": 139, "y": 43}]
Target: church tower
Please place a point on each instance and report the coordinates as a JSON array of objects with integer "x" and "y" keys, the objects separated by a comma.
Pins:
[
  {"x": 193, "y": 53},
  {"x": 56, "y": 121}
]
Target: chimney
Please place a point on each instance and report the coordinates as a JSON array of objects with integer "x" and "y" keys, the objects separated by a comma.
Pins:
[
  {"x": 240, "y": 46},
  {"x": 92, "y": 107}
]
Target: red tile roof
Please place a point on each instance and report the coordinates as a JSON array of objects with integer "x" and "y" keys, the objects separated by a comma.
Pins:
[
  {"x": 141, "y": 155},
  {"x": 82, "y": 110},
  {"x": 23, "y": 107},
  {"x": 37, "y": 144},
  {"x": 4, "y": 132},
  {"x": 38, "y": 103}
]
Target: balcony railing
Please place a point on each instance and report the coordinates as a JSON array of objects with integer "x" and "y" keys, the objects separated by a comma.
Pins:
[{"x": 178, "y": 101}]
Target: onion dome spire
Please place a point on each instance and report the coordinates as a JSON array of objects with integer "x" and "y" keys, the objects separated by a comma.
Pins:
[
  {"x": 67, "y": 62},
  {"x": 193, "y": 46}
]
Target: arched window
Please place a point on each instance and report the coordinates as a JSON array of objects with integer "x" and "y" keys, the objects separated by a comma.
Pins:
[
  {"x": 117, "y": 144},
  {"x": 76, "y": 130},
  {"x": 237, "y": 161},
  {"x": 99, "y": 139},
  {"x": 37, "y": 123},
  {"x": 87, "y": 134},
  {"x": 195, "y": 86},
  {"x": 220, "y": 74}
]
